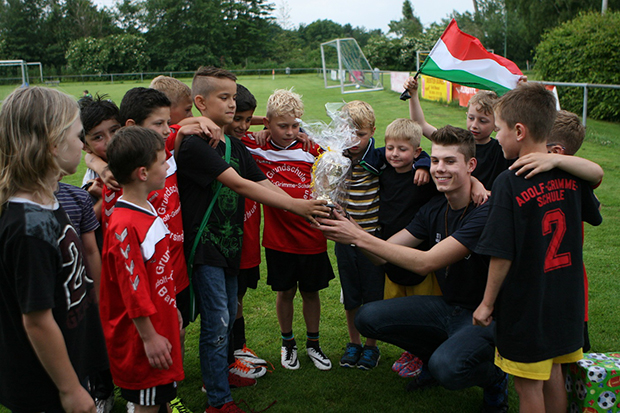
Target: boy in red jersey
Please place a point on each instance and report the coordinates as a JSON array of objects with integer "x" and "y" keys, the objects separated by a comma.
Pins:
[
  {"x": 296, "y": 253},
  {"x": 138, "y": 300},
  {"x": 533, "y": 236}
]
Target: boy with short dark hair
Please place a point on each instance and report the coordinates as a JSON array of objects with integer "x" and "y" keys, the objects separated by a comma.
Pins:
[
  {"x": 534, "y": 238},
  {"x": 217, "y": 250},
  {"x": 138, "y": 300},
  {"x": 296, "y": 253}
]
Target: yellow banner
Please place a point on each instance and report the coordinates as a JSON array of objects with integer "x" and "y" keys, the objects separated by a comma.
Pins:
[{"x": 436, "y": 89}]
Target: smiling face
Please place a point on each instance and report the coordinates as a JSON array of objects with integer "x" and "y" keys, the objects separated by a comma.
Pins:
[
  {"x": 480, "y": 124},
  {"x": 283, "y": 129},
  {"x": 240, "y": 124},
  {"x": 69, "y": 152},
  {"x": 96, "y": 140},
  {"x": 400, "y": 154},
  {"x": 159, "y": 121},
  {"x": 449, "y": 169},
  {"x": 219, "y": 105}
]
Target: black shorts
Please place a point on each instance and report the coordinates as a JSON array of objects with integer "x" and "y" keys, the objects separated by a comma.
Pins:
[
  {"x": 247, "y": 278},
  {"x": 154, "y": 396},
  {"x": 285, "y": 270},
  {"x": 362, "y": 282},
  {"x": 183, "y": 305}
]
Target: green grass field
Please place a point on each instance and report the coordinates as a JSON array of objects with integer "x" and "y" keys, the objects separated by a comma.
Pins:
[{"x": 381, "y": 390}]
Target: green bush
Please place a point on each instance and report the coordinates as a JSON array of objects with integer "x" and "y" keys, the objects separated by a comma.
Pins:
[{"x": 584, "y": 50}]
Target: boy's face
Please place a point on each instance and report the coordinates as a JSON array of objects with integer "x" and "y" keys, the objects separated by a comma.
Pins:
[
  {"x": 283, "y": 129},
  {"x": 156, "y": 173},
  {"x": 240, "y": 124},
  {"x": 181, "y": 110},
  {"x": 480, "y": 124},
  {"x": 96, "y": 140},
  {"x": 364, "y": 135},
  {"x": 449, "y": 169},
  {"x": 400, "y": 154},
  {"x": 507, "y": 138},
  {"x": 69, "y": 153},
  {"x": 159, "y": 121},
  {"x": 219, "y": 105}
]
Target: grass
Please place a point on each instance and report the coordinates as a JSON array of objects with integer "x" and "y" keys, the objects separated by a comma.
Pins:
[{"x": 381, "y": 390}]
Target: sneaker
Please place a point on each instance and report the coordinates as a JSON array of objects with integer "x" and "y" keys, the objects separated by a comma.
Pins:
[
  {"x": 288, "y": 357},
  {"x": 229, "y": 407},
  {"x": 248, "y": 355},
  {"x": 131, "y": 408},
  {"x": 412, "y": 369},
  {"x": 244, "y": 369},
  {"x": 319, "y": 358},
  {"x": 351, "y": 355},
  {"x": 369, "y": 358},
  {"x": 404, "y": 358},
  {"x": 495, "y": 397},
  {"x": 235, "y": 381},
  {"x": 177, "y": 406},
  {"x": 105, "y": 405},
  {"x": 422, "y": 380}
]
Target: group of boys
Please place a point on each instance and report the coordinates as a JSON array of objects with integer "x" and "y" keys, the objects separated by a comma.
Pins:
[{"x": 406, "y": 242}]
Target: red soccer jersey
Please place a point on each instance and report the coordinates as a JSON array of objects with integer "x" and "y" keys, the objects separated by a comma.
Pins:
[
  {"x": 250, "y": 249},
  {"x": 291, "y": 170},
  {"x": 167, "y": 203},
  {"x": 137, "y": 281}
]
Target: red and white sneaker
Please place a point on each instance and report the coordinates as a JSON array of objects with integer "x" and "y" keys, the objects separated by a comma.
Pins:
[
  {"x": 404, "y": 358},
  {"x": 245, "y": 369},
  {"x": 229, "y": 407},
  {"x": 248, "y": 355}
]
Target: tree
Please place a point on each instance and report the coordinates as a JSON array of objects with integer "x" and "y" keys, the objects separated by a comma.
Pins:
[
  {"x": 409, "y": 26},
  {"x": 124, "y": 53},
  {"x": 561, "y": 57}
]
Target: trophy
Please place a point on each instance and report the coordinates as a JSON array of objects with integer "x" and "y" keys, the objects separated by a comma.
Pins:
[{"x": 329, "y": 172}]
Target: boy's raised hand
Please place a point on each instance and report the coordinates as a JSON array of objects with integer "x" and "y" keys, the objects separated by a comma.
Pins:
[
  {"x": 411, "y": 84},
  {"x": 421, "y": 177},
  {"x": 108, "y": 179},
  {"x": 536, "y": 163},
  {"x": 310, "y": 209}
]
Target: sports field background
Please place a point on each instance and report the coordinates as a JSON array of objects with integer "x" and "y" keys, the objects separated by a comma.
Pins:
[{"x": 381, "y": 390}]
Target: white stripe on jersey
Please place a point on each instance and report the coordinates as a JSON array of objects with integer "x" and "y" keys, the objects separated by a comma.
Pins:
[{"x": 289, "y": 155}]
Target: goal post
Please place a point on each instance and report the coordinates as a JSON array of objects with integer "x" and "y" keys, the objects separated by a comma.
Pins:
[{"x": 346, "y": 67}]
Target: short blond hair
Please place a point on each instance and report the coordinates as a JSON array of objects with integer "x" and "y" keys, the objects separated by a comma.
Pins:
[
  {"x": 173, "y": 88},
  {"x": 361, "y": 113},
  {"x": 567, "y": 131},
  {"x": 483, "y": 101},
  {"x": 404, "y": 130},
  {"x": 284, "y": 102}
]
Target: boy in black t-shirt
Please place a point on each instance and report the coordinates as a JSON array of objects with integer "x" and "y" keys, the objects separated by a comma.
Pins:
[
  {"x": 218, "y": 251},
  {"x": 535, "y": 242}
]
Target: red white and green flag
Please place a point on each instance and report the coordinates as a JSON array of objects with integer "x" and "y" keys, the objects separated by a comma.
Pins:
[{"x": 460, "y": 58}]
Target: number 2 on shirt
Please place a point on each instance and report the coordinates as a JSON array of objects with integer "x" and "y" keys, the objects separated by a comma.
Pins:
[{"x": 554, "y": 222}]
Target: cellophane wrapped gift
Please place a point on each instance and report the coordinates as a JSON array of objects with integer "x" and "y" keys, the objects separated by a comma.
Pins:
[{"x": 329, "y": 172}]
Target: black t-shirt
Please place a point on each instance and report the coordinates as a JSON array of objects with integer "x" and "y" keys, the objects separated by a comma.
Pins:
[
  {"x": 41, "y": 268},
  {"x": 199, "y": 165},
  {"x": 401, "y": 199},
  {"x": 537, "y": 223},
  {"x": 463, "y": 282},
  {"x": 491, "y": 163}
]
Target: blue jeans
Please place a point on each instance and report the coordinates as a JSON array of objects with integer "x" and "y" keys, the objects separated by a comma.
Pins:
[
  {"x": 217, "y": 300},
  {"x": 457, "y": 353}
]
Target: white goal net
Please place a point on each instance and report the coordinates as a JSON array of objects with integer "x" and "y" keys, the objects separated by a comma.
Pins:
[{"x": 346, "y": 67}]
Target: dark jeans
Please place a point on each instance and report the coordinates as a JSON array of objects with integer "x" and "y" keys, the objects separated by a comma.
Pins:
[{"x": 457, "y": 353}]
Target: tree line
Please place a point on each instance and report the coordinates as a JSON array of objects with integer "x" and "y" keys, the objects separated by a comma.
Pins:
[{"x": 75, "y": 36}]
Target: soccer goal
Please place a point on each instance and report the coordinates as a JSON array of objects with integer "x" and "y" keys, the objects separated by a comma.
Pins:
[{"x": 346, "y": 67}]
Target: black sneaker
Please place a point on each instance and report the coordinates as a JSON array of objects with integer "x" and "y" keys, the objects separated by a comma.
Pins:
[
  {"x": 351, "y": 355},
  {"x": 369, "y": 358},
  {"x": 495, "y": 397},
  {"x": 422, "y": 380}
]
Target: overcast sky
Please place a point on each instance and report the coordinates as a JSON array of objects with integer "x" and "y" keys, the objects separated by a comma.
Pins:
[{"x": 372, "y": 14}]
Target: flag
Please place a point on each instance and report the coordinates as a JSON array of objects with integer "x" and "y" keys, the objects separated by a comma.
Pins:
[{"x": 460, "y": 58}]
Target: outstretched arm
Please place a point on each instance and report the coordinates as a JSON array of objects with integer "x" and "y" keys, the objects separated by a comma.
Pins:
[
  {"x": 415, "y": 109},
  {"x": 539, "y": 162}
]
